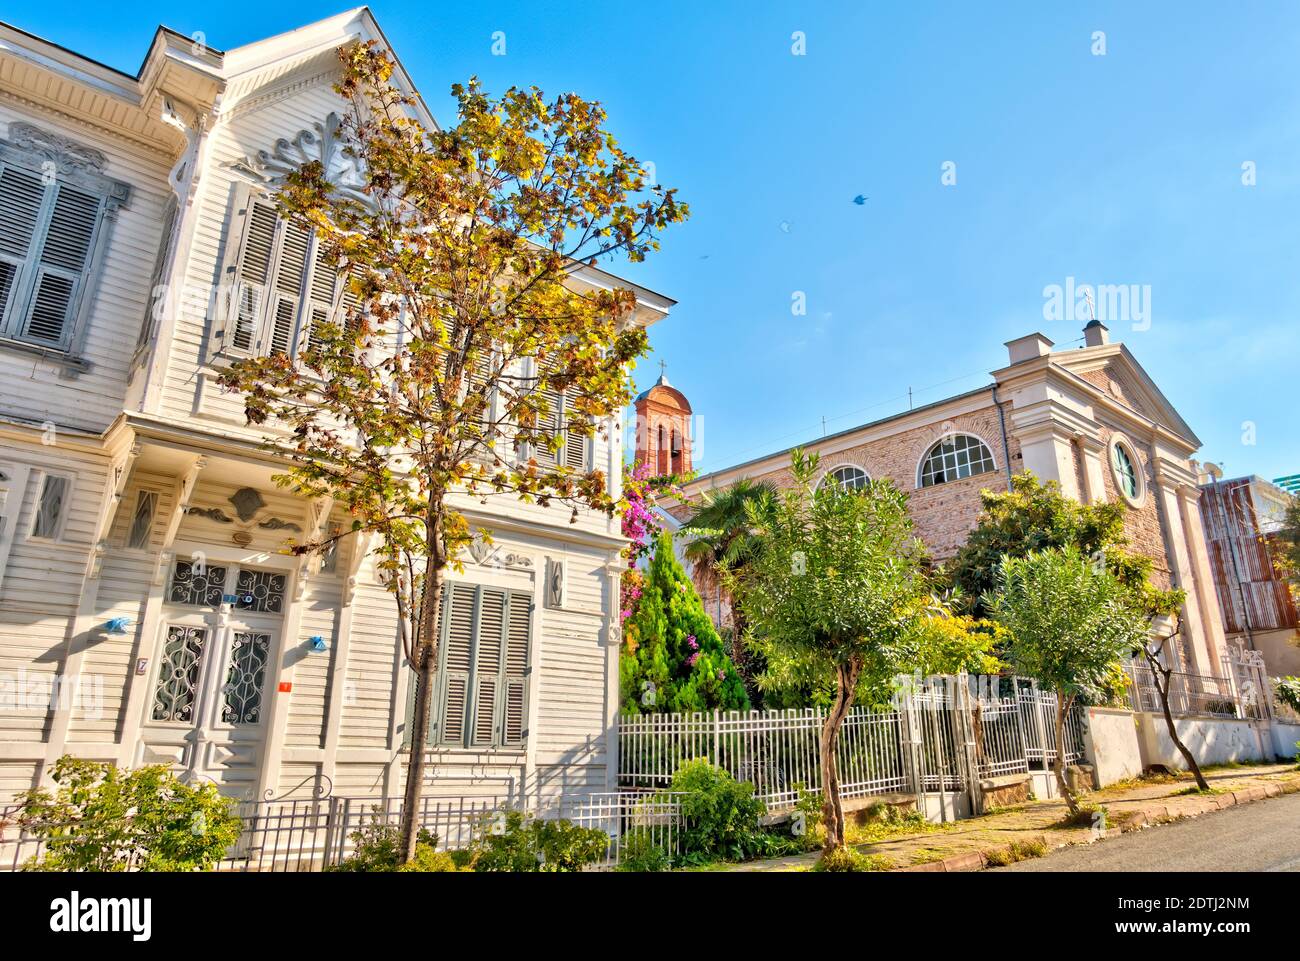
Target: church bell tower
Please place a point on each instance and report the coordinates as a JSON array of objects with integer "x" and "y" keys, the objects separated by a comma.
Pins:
[{"x": 663, "y": 434}]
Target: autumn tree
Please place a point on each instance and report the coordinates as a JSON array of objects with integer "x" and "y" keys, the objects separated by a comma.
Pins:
[{"x": 477, "y": 354}]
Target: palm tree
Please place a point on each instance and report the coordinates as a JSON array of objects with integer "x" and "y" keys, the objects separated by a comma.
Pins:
[{"x": 722, "y": 535}]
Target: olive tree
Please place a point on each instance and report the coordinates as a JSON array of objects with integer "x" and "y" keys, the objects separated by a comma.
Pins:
[
  {"x": 836, "y": 589},
  {"x": 1071, "y": 622}
]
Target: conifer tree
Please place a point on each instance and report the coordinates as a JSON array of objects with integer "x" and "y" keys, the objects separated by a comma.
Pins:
[{"x": 673, "y": 659}]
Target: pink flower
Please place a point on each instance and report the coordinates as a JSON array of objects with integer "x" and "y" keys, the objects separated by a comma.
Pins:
[
  {"x": 690, "y": 661},
  {"x": 690, "y": 639}
]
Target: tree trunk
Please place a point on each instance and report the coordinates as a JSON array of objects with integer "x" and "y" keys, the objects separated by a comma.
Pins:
[
  {"x": 1058, "y": 765},
  {"x": 1162, "y": 679},
  {"x": 846, "y": 680},
  {"x": 426, "y": 672}
]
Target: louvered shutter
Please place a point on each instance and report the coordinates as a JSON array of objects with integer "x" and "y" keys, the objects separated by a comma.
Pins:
[
  {"x": 548, "y": 424},
  {"x": 476, "y": 379},
  {"x": 456, "y": 662},
  {"x": 290, "y": 272},
  {"x": 322, "y": 295},
  {"x": 575, "y": 443},
  {"x": 518, "y": 621},
  {"x": 254, "y": 272},
  {"x": 21, "y": 196},
  {"x": 65, "y": 255},
  {"x": 488, "y": 667}
]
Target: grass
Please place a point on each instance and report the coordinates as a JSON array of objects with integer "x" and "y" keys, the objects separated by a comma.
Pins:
[
  {"x": 1016, "y": 851},
  {"x": 849, "y": 861},
  {"x": 1197, "y": 791},
  {"x": 1086, "y": 817}
]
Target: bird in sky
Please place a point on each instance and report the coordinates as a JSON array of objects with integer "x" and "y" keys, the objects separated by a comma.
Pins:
[{"x": 860, "y": 200}]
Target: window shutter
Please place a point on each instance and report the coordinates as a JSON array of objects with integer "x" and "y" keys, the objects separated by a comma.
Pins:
[
  {"x": 487, "y": 666},
  {"x": 289, "y": 276},
  {"x": 548, "y": 425},
  {"x": 21, "y": 196},
  {"x": 575, "y": 444},
  {"x": 253, "y": 271},
  {"x": 65, "y": 255},
  {"x": 322, "y": 294},
  {"x": 519, "y": 620},
  {"x": 458, "y": 642}
]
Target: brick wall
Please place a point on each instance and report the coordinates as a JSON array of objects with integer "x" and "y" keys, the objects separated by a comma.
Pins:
[{"x": 945, "y": 513}]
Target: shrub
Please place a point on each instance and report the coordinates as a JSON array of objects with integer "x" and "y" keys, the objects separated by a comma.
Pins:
[
  {"x": 104, "y": 818},
  {"x": 720, "y": 813},
  {"x": 1287, "y": 690},
  {"x": 847, "y": 860},
  {"x": 641, "y": 854},
  {"x": 515, "y": 841},
  {"x": 378, "y": 849}
]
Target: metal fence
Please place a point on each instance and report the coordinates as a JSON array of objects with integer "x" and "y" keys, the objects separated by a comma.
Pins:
[
  {"x": 311, "y": 834},
  {"x": 939, "y": 737}
]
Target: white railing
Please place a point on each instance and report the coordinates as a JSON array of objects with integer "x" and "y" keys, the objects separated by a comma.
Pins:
[
  {"x": 1190, "y": 695},
  {"x": 938, "y": 738}
]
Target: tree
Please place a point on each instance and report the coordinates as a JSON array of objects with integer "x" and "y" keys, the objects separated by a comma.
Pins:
[
  {"x": 673, "y": 659},
  {"x": 721, "y": 535},
  {"x": 1070, "y": 622},
  {"x": 1158, "y": 655},
  {"x": 1287, "y": 558},
  {"x": 835, "y": 589},
  {"x": 1032, "y": 516},
  {"x": 476, "y": 356}
]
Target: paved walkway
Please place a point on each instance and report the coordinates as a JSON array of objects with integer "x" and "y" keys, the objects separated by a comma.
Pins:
[{"x": 967, "y": 845}]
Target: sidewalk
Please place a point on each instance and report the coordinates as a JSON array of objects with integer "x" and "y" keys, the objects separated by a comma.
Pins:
[{"x": 1033, "y": 829}]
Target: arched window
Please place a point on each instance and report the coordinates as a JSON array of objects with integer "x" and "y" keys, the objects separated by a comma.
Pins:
[
  {"x": 847, "y": 478},
  {"x": 953, "y": 458}
]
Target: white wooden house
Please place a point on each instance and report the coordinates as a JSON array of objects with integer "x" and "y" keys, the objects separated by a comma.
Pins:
[{"x": 147, "y": 613}]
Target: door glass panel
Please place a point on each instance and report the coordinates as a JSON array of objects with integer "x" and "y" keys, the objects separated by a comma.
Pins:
[
  {"x": 243, "y": 690},
  {"x": 197, "y": 584},
  {"x": 178, "y": 674},
  {"x": 260, "y": 591}
]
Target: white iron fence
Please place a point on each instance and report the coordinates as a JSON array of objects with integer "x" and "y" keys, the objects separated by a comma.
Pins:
[
  {"x": 1244, "y": 691},
  {"x": 938, "y": 739}
]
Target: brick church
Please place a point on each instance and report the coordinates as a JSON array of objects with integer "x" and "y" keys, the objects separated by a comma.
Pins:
[{"x": 1089, "y": 418}]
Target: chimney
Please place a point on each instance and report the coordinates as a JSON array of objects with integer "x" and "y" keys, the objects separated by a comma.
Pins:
[
  {"x": 1095, "y": 334},
  {"x": 1029, "y": 347}
]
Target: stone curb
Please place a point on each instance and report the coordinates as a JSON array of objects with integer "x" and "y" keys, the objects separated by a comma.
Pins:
[{"x": 1135, "y": 820}]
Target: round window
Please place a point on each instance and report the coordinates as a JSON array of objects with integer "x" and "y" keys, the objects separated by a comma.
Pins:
[{"x": 1127, "y": 475}]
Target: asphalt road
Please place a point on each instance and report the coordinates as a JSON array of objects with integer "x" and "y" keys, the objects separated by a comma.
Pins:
[{"x": 1262, "y": 836}]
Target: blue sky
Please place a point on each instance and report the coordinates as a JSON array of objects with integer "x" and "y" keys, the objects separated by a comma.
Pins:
[{"x": 1117, "y": 169}]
